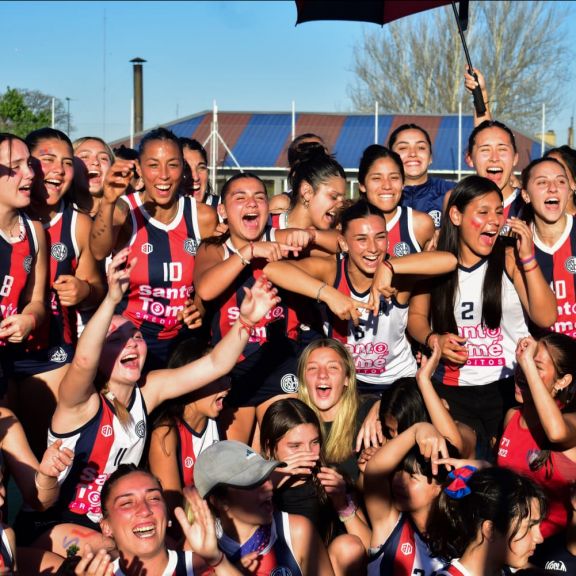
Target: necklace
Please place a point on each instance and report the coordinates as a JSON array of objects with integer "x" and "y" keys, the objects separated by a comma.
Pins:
[{"x": 17, "y": 227}]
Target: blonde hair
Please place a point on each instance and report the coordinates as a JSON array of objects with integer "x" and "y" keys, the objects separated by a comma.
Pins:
[
  {"x": 338, "y": 444},
  {"x": 79, "y": 141}
]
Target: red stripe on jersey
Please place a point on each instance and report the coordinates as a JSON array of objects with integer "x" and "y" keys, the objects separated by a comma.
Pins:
[
  {"x": 406, "y": 552},
  {"x": 92, "y": 478}
]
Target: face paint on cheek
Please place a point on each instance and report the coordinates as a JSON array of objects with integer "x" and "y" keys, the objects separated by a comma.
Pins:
[{"x": 476, "y": 223}]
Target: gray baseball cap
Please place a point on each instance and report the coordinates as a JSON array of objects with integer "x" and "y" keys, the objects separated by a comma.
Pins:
[{"x": 231, "y": 463}]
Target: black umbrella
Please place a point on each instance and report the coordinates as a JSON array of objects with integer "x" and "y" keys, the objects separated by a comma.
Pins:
[{"x": 384, "y": 11}]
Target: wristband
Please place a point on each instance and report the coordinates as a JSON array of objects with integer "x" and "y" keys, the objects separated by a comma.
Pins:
[
  {"x": 525, "y": 261},
  {"x": 245, "y": 326},
  {"x": 320, "y": 290},
  {"x": 388, "y": 264},
  {"x": 531, "y": 269},
  {"x": 242, "y": 259},
  {"x": 219, "y": 561},
  {"x": 346, "y": 514},
  {"x": 427, "y": 339}
]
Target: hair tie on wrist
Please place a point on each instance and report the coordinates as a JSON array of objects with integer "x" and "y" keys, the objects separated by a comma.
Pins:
[
  {"x": 427, "y": 339},
  {"x": 246, "y": 326},
  {"x": 525, "y": 261},
  {"x": 460, "y": 477},
  {"x": 215, "y": 565},
  {"x": 388, "y": 264}
]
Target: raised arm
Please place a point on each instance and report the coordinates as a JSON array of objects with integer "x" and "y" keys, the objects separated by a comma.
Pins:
[
  {"x": 533, "y": 290},
  {"x": 559, "y": 428},
  {"x": 439, "y": 414},
  {"x": 258, "y": 301},
  {"x": 111, "y": 216},
  {"x": 380, "y": 468},
  {"x": 77, "y": 392},
  {"x": 471, "y": 82}
]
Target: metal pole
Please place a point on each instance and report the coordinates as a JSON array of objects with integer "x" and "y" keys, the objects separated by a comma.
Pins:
[
  {"x": 214, "y": 147},
  {"x": 543, "y": 139},
  {"x": 376, "y": 122},
  {"x": 138, "y": 94},
  {"x": 132, "y": 123}
]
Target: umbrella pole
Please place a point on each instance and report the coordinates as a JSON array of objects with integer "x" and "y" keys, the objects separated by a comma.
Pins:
[{"x": 477, "y": 92}]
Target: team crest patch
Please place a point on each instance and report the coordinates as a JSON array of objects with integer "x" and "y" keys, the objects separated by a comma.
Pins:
[
  {"x": 281, "y": 571},
  {"x": 289, "y": 383},
  {"x": 27, "y": 264},
  {"x": 436, "y": 215},
  {"x": 570, "y": 264},
  {"x": 147, "y": 248},
  {"x": 190, "y": 245},
  {"x": 141, "y": 429},
  {"x": 406, "y": 548},
  {"x": 59, "y": 355},
  {"x": 59, "y": 252},
  {"x": 188, "y": 462},
  {"x": 401, "y": 249},
  {"x": 106, "y": 431}
]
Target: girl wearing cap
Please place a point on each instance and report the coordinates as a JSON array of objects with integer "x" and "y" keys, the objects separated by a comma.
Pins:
[
  {"x": 236, "y": 482},
  {"x": 485, "y": 520},
  {"x": 104, "y": 399},
  {"x": 135, "y": 517}
]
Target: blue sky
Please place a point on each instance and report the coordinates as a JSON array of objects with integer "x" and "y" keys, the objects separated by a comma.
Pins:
[{"x": 245, "y": 55}]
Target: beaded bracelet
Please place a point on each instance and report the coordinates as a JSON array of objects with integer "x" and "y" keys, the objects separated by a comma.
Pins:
[{"x": 242, "y": 259}]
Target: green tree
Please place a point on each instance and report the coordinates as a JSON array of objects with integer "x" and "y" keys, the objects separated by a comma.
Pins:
[
  {"x": 416, "y": 65},
  {"x": 22, "y": 111}
]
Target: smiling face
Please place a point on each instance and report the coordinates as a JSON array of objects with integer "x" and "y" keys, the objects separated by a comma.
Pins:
[
  {"x": 493, "y": 156},
  {"x": 136, "y": 516},
  {"x": 479, "y": 225},
  {"x": 383, "y": 184},
  {"x": 302, "y": 438},
  {"x": 95, "y": 156},
  {"x": 198, "y": 173},
  {"x": 161, "y": 167},
  {"x": 245, "y": 207},
  {"x": 524, "y": 542},
  {"x": 325, "y": 202},
  {"x": 548, "y": 191},
  {"x": 55, "y": 166},
  {"x": 124, "y": 352},
  {"x": 413, "y": 148},
  {"x": 547, "y": 372},
  {"x": 325, "y": 375},
  {"x": 16, "y": 174},
  {"x": 366, "y": 241}
]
